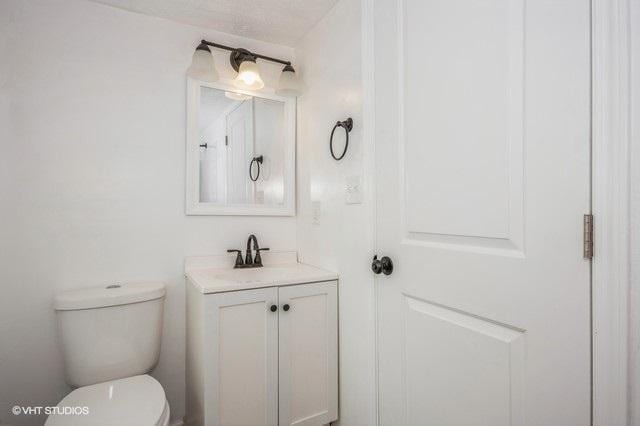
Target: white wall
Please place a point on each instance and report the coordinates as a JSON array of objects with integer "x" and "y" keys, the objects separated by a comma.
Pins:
[
  {"x": 92, "y": 154},
  {"x": 634, "y": 344},
  {"x": 329, "y": 59}
]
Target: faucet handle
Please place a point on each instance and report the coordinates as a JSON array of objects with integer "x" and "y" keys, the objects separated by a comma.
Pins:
[
  {"x": 258, "y": 260},
  {"x": 239, "y": 261}
]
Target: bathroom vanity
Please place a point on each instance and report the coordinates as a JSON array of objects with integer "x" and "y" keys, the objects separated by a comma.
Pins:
[{"x": 262, "y": 343}]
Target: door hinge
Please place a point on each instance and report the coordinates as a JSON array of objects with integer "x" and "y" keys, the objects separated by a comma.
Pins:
[
  {"x": 587, "y": 238},
  {"x": 226, "y": 140}
]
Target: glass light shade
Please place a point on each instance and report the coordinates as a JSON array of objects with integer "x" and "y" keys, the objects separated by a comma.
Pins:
[
  {"x": 249, "y": 76},
  {"x": 288, "y": 85},
  {"x": 203, "y": 67}
]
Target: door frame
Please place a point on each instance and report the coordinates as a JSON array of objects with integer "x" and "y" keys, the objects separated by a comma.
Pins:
[
  {"x": 610, "y": 190},
  {"x": 610, "y": 177}
]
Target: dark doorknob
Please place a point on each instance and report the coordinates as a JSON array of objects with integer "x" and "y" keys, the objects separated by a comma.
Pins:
[
  {"x": 273, "y": 308},
  {"x": 285, "y": 307},
  {"x": 384, "y": 265}
]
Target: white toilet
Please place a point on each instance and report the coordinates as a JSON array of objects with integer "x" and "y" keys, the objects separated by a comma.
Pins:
[{"x": 111, "y": 338}]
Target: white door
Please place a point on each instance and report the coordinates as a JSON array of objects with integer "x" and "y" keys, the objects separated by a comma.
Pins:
[
  {"x": 308, "y": 316},
  {"x": 245, "y": 359},
  {"x": 482, "y": 146},
  {"x": 239, "y": 153}
]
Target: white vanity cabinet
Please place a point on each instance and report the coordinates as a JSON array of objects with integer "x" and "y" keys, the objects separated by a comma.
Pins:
[{"x": 262, "y": 356}]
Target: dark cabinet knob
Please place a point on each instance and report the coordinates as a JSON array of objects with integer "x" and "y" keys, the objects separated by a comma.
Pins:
[
  {"x": 273, "y": 308},
  {"x": 384, "y": 265},
  {"x": 285, "y": 307}
]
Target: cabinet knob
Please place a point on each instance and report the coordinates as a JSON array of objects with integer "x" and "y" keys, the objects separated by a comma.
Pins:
[
  {"x": 273, "y": 308},
  {"x": 285, "y": 307}
]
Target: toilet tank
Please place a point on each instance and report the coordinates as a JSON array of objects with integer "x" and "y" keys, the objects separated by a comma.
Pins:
[{"x": 110, "y": 332}]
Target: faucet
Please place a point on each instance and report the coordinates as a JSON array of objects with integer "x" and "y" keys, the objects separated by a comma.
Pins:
[
  {"x": 249, "y": 261},
  {"x": 249, "y": 258}
]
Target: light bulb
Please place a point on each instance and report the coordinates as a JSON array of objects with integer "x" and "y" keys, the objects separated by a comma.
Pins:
[{"x": 249, "y": 76}]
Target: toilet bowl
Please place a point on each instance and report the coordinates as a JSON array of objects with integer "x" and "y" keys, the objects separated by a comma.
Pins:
[
  {"x": 110, "y": 337},
  {"x": 133, "y": 401}
]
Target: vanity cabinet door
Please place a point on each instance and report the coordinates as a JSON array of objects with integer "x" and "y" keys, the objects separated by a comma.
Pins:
[
  {"x": 308, "y": 344},
  {"x": 245, "y": 359}
]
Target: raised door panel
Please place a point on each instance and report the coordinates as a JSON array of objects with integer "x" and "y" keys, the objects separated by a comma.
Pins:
[
  {"x": 462, "y": 119},
  {"x": 308, "y": 354},
  {"x": 454, "y": 360},
  {"x": 243, "y": 389}
]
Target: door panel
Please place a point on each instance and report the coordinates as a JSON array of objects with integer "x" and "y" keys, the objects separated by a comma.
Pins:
[
  {"x": 246, "y": 358},
  {"x": 308, "y": 354},
  {"x": 482, "y": 180},
  {"x": 456, "y": 360},
  {"x": 462, "y": 119}
]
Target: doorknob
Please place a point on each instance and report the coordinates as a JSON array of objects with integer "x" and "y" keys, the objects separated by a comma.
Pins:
[{"x": 384, "y": 265}]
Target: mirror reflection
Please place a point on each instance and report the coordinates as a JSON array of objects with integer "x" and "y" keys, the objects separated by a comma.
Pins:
[{"x": 242, "y": 148}]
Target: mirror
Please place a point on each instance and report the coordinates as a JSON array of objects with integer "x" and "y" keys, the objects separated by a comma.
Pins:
[{"x": 240, "y": 152}]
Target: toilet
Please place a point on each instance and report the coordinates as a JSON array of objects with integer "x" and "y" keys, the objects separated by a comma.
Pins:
[{"x": 110, "y": 337}]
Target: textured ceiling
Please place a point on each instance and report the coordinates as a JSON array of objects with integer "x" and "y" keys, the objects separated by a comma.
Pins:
[{"x": 276, "y": 21}]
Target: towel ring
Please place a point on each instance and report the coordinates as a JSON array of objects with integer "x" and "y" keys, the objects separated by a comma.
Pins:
[
  {"x": 258, "y": 161},
  {"x": 347, "y": 125}
]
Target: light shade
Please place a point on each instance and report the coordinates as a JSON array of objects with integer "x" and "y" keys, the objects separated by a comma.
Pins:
[
  {"x": 203, "y": 67},
  {"x": 288, "y": 85},
  {"x": 249, "y": 76}
]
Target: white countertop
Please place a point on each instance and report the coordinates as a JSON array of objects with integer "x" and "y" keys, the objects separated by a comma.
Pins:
[{"x": 218, "y": 279}]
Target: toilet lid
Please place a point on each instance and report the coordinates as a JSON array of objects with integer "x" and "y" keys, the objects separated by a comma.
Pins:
[{"x": 138, "y": 400}]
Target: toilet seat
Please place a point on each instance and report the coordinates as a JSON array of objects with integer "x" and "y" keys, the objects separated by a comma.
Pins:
[{"x": 138, "y": 400}]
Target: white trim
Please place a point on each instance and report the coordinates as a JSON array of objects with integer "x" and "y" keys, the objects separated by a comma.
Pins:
[
  {"x": 192, "y": 198},
  {"x": 610, "y": 198},
  {"x": 369, "y": 163}
]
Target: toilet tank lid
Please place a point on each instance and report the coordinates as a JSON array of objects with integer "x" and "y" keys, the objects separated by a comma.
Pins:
[{"x": 108, "y": 295}]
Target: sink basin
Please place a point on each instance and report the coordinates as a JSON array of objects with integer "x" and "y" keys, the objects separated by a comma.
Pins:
[
  {"x": 216, "y": 280},
  {"x": 254, "y": 275}
]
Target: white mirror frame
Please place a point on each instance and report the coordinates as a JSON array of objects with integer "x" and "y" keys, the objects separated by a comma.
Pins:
[{"x": 193, "y": 204}]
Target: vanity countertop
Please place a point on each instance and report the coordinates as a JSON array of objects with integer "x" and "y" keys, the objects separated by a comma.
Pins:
[{"x": 217, "y": 279}]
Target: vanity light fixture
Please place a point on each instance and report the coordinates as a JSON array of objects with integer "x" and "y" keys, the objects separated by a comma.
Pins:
[{"x": 244, "y": 63}]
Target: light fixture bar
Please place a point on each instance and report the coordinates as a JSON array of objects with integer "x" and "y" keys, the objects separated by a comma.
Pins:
[{"x": 255, "y": 55}]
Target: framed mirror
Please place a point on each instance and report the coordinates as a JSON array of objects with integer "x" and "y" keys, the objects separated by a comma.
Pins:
[{"x": 240, "y": 151}]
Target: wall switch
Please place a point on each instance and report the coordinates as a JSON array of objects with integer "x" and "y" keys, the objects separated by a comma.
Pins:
[
  {"x": 315, "y": 212},
  {"x": 353, "y": 190}
]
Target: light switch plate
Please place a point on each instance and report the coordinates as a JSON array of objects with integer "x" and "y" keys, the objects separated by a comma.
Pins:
[{"x": 353, "y": 189}]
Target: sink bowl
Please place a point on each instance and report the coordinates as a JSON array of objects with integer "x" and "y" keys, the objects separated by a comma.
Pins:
[
  {"x": 254, "y": 275},
  {"x": 216, "y": 280}
]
